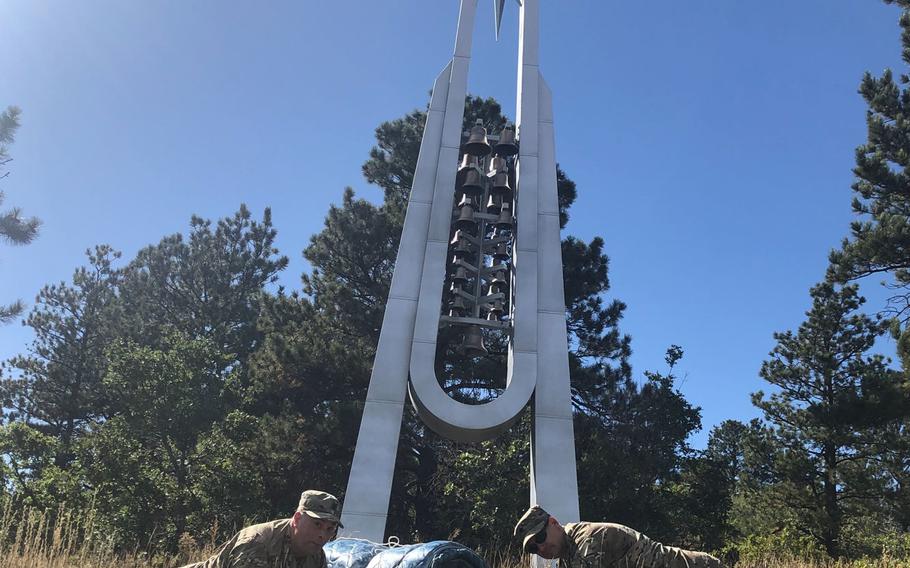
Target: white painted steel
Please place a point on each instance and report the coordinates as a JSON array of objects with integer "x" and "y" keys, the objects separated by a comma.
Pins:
[
  {"x": 554, "y": 475},
  {"x": 369, "y": 487}
]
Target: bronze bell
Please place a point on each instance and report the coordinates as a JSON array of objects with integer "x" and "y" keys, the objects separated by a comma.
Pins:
[
  {"x": 469, "y": 162},
  {"x": 499, "y": 279},
  {"x": 457, "y": 307},
  {"x": 505, "y": 220},
  {"x": 495, "y": 311},
  {"x": 462, "y": 246},
  {"x": 494, "y": 205},
  {"x": 507, "y": 145},
  {"x": 501, "y": 184},
  {"x": 477, "y": 144},
  {"x": 465, "y": 220},
  {"x": 501, "y": 254},
  {"x": 461, "y": 276},
  {"x": 473, "y": 342},
  {"x": 498, "y": 166},
  {"x": 465, "y": 200},
  {"x": 472, "y": 182}
]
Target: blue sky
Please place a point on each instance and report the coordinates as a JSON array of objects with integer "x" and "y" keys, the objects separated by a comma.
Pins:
[{"x": 712, "y": 141}]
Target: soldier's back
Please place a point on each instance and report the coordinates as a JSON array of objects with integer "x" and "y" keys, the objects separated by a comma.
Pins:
[
  {"x": 266, "y": 545},
  {"x": 611, "y": 545}
]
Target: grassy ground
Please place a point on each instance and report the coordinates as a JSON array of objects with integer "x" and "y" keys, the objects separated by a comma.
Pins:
[{"x": 27, "y": 540}]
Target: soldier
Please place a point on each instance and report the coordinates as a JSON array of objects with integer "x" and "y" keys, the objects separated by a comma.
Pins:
[
  {"x": 601, "y": 545},
  {"x": 286, "y": 543}
]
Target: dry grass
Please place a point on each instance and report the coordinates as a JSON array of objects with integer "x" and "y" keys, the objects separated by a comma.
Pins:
[
  {"x": 500, "y": 561},
  {"x": 67, "y": 539},
  {"x": 789, "y": 563}
]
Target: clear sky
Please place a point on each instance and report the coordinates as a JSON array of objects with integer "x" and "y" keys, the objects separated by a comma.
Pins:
[{"x": 712, "y": 140}]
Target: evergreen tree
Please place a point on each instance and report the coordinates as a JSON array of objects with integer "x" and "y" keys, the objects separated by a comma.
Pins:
[
  {"x": 702, "y": 498},
  {"x": 14, "y": 228},
  {"x": 880, "y": 239},
  {"x": 208, "y": 286},
  {"x": 56, "y": 388},
  {"x": 631, "y": 445},
  {"x": 169, "y": 458},
  {"x": 830, "y": 400},
  {"x": 136, "y": 385}
]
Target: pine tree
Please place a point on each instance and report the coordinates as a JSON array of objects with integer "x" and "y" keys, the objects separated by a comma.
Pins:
[
  {"x": 14, "y": 228},
  {"x": 880, "y": 239},
  {"x": 831, "y": 399}
]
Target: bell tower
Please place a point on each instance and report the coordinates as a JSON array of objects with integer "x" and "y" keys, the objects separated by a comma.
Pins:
[{"x": 480, "y": 248}]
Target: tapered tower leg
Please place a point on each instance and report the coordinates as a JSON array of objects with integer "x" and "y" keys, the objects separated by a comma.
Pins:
[
  {"x": 554, "y": 480},
  {"x": 366, "y": 501}
]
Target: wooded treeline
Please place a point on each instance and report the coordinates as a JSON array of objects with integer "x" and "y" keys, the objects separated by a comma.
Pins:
[{"x": 183, "y": 388}]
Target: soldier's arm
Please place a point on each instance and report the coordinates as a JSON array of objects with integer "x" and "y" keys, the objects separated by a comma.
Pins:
[{"x": 248, "y": 554}]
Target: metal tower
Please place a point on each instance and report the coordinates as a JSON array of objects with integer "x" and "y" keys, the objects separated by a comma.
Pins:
[{"x": 480, "y": 247}]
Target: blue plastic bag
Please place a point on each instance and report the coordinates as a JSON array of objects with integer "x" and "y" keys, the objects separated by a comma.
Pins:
[{"x": 357, "y": 553}]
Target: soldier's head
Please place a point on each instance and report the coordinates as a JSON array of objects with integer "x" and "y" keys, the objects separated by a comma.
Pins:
[
  {"x": 315, "y": 522},
  {"x": 540, "y": 533}
]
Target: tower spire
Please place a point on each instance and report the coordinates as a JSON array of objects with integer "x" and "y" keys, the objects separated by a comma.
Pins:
[{"x": 498, "y": 7}]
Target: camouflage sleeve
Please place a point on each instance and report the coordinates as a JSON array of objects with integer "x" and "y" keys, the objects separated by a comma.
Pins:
[
  {"x": 219, "y": 559},
  {"x": 249, "y": 554},
  {"x": 700, "y": 560}
]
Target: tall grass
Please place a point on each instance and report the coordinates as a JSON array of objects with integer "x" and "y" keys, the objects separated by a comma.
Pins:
[
  {"x": 772, "y": 562},
  {"x": 31, "y": 538},
  {"x": 505, "y": 561}
]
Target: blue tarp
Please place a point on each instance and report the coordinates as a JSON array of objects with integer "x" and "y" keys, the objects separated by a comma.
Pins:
[{"x": 357, "y": 553}]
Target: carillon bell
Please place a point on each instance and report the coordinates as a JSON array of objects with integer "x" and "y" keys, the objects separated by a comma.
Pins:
[
  {"x": 460, "y": 277},
  {"x": 477, "y": 144},
  {"x": 469, "y": 162},
  {"x": 499, "y": 279},
  {"x": 457, "y": 307},
  {"x": 505, "y": 220},
  {"x": 498, "y": 165},
  {"x": 462, "y": 248},
  {"x": 501, "y": 254},
  {"x": 465, "y": 200},
  {"x": 494, "y": 205},
  {"x": 495, "y": 311},
  {"x": 501, "y": 184},
  {"x": 465, "y": 221},
  {"x": 507, "y": 145},
  {"x": 472, "y": 182},
  {"x": 472, "y": 346}
]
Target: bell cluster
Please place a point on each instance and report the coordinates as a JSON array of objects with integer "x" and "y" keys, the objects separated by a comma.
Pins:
[{"x": 483, "y": 229}]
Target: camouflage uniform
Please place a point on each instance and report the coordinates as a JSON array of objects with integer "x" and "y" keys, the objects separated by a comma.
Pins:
[
  {"x": 606, "y": 545},
  {"x": 266, "y": 545}
]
